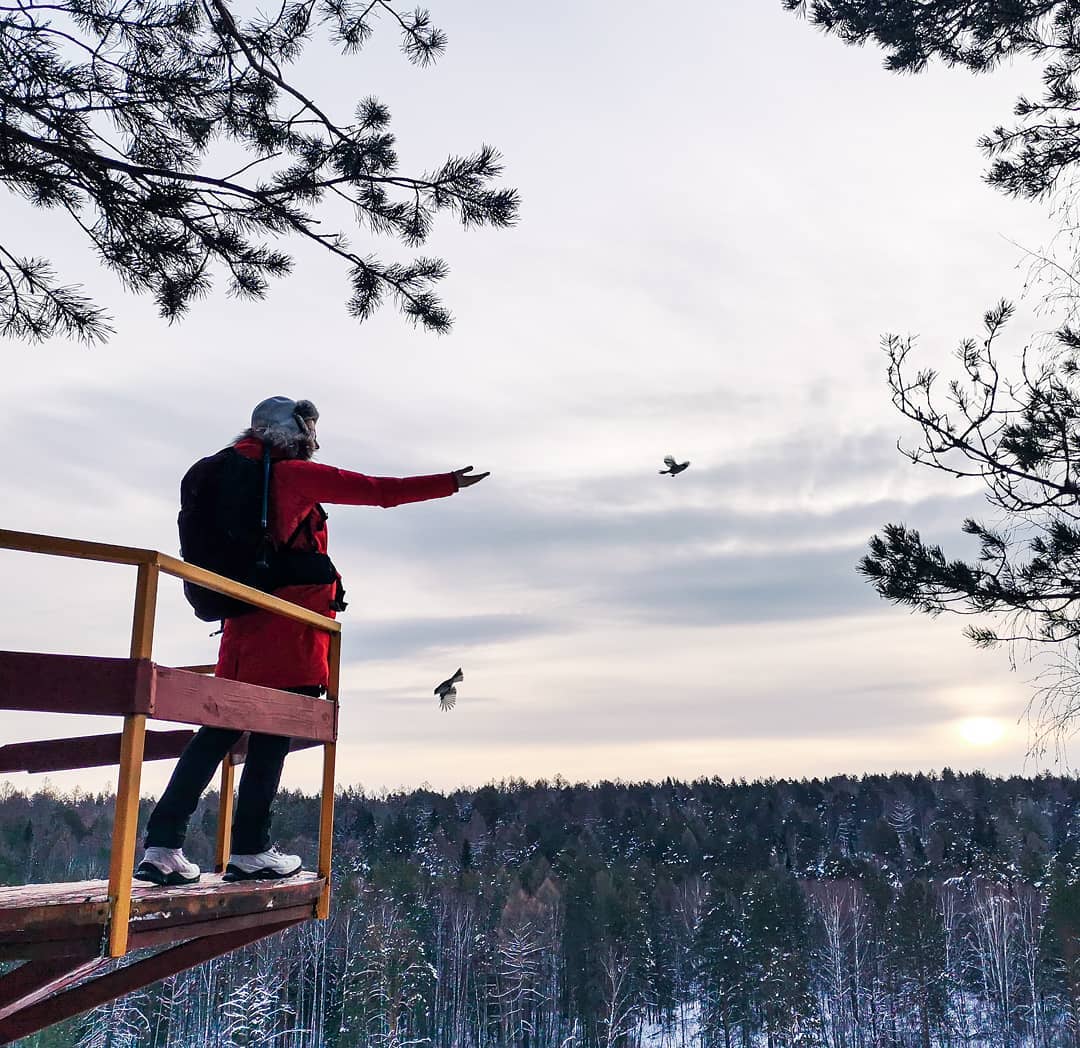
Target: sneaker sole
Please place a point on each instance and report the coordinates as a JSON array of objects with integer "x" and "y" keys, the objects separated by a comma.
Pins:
[
  {"x": 164, "y": 880},
  {"x": 234, "y": 873}
]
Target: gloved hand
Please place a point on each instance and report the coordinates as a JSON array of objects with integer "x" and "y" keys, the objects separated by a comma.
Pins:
[{"x": 464, "y": 479}]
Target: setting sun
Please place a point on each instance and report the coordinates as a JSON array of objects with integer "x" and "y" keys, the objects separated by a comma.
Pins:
[{"x": 981, "y": 731}]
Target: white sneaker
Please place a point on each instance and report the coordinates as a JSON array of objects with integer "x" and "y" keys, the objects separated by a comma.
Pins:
[
  {"x": 166, "y": 866},
  {"x": 269, "y": 865}
]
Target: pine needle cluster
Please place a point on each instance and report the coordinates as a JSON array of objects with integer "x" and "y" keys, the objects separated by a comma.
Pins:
[
  {"x": 118, "y": 112},
  {"x": 1028, "y": 159},
  {"x": 1019, "y": 435}
]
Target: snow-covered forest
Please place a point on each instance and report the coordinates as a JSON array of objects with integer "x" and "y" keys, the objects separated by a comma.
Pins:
[{"x": 849, "y": 912}]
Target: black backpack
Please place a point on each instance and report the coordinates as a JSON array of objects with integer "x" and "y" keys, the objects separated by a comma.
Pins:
[
  {"x": 224, "y": 503},
  {"x": 224, "y": 510}
]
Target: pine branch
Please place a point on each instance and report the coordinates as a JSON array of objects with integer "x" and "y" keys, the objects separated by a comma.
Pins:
[{"x": 171, "y": 77}]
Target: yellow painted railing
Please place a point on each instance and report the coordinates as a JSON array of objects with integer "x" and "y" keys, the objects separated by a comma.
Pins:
[{"x": 151, "y": 565}]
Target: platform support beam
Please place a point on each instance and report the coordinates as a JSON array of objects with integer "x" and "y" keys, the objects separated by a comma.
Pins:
[
  {"x": 32, "y": 981},
  {"x": 131, "y": 977}
]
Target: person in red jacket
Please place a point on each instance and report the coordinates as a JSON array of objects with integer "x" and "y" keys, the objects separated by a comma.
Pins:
[{"x": 263, "y": 648}]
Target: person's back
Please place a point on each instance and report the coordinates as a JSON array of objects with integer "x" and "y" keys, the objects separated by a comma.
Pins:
[{"x": 259, "y": 647}]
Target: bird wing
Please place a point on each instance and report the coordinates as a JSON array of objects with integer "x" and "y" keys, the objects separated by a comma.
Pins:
[
  {"x": 669, "y": 460},
  {"x": 446, "y": 702},
  {"x": 448, "y": 684}
]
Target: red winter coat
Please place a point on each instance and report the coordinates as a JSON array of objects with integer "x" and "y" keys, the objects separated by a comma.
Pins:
[{"x": 268, "y": 649}]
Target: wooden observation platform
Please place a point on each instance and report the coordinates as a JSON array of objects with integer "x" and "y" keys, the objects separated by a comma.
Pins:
[{"x": 66, "y": 935}]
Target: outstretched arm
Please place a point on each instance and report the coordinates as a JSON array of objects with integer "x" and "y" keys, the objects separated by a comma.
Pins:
[{"x": 321, "y": 483}]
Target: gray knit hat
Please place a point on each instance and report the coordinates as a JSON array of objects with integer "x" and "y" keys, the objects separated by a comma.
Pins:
[
  {"x": 279, "y": 413},
  {"x": 276, "y": 421}
]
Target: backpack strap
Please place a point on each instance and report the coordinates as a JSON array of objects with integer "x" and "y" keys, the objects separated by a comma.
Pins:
[
  {"x": 262, "y": 563},
  {"x": 265, "y": 518},
  {"x": 305, "y": 523}
]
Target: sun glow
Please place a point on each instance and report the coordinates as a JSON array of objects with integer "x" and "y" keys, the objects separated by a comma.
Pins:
[{"x": 981, "y": 731}]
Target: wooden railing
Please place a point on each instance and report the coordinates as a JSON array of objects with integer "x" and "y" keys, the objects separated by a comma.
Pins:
[{"x": 139, "y": 690}]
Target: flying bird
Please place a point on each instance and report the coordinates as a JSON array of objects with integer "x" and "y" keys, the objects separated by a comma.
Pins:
[
  {"x": 673, "y": 467},
  {"x": 447, "y": 692}
]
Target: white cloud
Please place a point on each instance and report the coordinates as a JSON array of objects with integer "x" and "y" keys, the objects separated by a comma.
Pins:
[{"x": 708, "y": 254}]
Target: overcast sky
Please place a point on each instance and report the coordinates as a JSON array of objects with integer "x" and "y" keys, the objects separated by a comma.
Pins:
[{"x": 722, "y": 213}]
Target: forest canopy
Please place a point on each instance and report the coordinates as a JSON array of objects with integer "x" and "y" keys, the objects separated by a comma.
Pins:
[{"x": 902, "y": 910}]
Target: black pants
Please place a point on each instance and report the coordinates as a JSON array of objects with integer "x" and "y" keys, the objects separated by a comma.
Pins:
[{"x": 258, "y": 784}]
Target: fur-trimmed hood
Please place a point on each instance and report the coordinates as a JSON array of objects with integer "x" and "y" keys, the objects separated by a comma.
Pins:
[{"x": 276, "y": 422}]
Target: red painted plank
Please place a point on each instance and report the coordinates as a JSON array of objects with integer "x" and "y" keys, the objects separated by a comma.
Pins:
[
  {"x": 87, "y": 751},
  {"x": 87, "y": 684},
  {"x": 97, "y": 751},
  {"x": 238, "y": 754},
  {"x": 74, "y": 683},
  {"x": 131, "y": 977},
  {"x": 193, "y": 699}
]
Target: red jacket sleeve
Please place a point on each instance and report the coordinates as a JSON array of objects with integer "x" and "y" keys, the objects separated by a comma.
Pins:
[{"x": 319, "y": 483}]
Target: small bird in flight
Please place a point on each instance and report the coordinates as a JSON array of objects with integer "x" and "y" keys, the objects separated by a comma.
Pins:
[
  {"x": 447, "y": 692},
  {"x": 673, "y": 467}
]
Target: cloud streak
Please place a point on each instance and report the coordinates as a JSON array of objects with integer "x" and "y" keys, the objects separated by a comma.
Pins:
[{"x": 700, "y": 308}]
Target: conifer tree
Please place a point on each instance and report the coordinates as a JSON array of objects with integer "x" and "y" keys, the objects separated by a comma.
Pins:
[
  {"x": 1030, "y": 157},
  {"x": 721, "y": 971},
  {"x": 177, "y": 139},
  {"x": 1014, "y": 429},
  {"x": 917, "y": 938}
]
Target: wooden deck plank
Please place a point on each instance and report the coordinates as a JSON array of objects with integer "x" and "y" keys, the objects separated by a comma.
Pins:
[
  {"x": 43, "y": 913},
  {"x": 167, "y": 936},
  {"x": 20, "y": 896},
  {"x": 219, "y": 900},
  {"x": 48, "y": 683}
]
